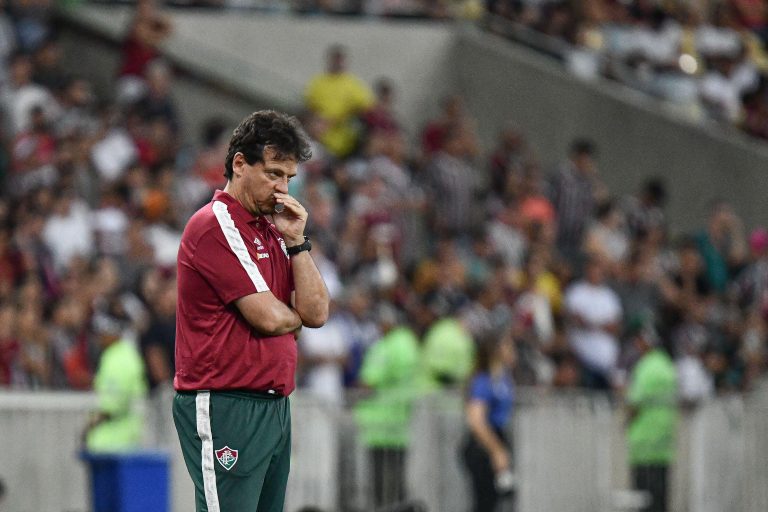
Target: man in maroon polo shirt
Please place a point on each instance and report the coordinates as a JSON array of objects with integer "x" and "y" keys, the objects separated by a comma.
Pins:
[{"x": 247, "y": 284}]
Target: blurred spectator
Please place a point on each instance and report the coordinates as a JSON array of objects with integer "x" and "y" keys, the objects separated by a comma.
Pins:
[
  {"x": 9, "y": 345},
  {"x": 652, "y": 401},
  {"x": 74, "y": 352},
  {"x": 695, "y": 382},
  {"x": 120, "y": 384},
  {"x": 644, "y": 212},
  {"x": 48, "y": 68},
  {"x": 20, "y": 96},
  {"x": 110, "y": 221},
  {"x": 508, "y": 162},
  {"x": 722, "y": 245},
  {"x": 453, "y": 118},
  {"x": 506, "y": 231},
  {"x": 453, "y": 185},
  {"x": 390, "y": 370},
  {"x": 381, "y": 117},
  {"x": 533, "y": 327},
  {"x": 7, "y": 41},
  {"x": 640, "y": 290},
  {"x": 688, "y": 294},
  {"x": 751, "y": 284},
  {"x": 147, "y": 30},
  {"x": 486, "y": 451},
  {"x": 338, "y": 97},
  {"x": 208, "y": 166},
  {"x": 78, "y": 117},
  {"x": 323, "y": 356},
  {"x": 114, "y": 151},
  {"x": 158, "y": 341},
  {"x": 157, "y": 347},
  {"x": 34, "y": 342},
  {"x": 594, "y": 321},
  {"x": 360, "y": 327},
  {"x": 606, "y": 238},
  {"x": 32, "y": 20},
  {"x": 33, "y": 154},
  {"x": 448, "y": 353},
  {"x": 157, "y": 102},
  {"x": 12, "y": 267},
  {"x": 37, "y": 257},
  {"x": 487, "y": 309},
  {"x": 68, "y": 232},
  {"x": 574, "y": 192}
]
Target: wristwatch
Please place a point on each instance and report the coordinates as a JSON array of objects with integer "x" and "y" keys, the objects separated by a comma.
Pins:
[{"x": 296, "y": 249}]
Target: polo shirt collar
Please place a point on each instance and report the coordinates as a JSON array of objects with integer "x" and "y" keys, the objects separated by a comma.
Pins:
[{"x": 236, "y": 209}]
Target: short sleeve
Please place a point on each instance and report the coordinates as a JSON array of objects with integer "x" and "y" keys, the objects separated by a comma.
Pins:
[
  {"x": 224, "y": 261},
  {"x": 480, "y": 388}
]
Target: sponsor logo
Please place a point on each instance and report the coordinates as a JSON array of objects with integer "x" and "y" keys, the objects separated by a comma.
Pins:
[
  {"x": 259, "y": 245},
  {"x": 227, "y": 457},
  {"x": 283, "y": 247},
  {"x": 261, "y": 256}
]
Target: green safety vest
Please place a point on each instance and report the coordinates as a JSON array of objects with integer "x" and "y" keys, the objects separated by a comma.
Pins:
[
  {"x": 653, "y": 393},
  {"x": 121, "y": 386},
  {"x": 390, "y": 368}
]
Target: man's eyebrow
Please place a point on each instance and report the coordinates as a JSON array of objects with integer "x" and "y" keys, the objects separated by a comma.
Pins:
[{"x": 280, "y": 170}]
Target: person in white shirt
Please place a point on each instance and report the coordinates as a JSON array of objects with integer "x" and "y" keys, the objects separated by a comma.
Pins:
[{"x": 594, "y": 319}]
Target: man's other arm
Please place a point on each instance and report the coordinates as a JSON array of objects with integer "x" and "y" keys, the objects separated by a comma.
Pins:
[
  {"x": 268, "y": 315},
  {"x": 311, "y": 295}
]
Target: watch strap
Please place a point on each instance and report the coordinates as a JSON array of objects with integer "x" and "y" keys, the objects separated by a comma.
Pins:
[{"x": 296, "y": 249}]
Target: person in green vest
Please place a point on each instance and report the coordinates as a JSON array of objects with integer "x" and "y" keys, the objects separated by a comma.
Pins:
[
  {"x": 389, "y": 370},
  {"x": 448, "y": 354},
  {"x": 120, "y": 384},
  {"x": 653, "y": 415}
]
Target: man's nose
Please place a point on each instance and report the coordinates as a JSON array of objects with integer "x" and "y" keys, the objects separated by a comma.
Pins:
[{"x": 282, "y": 185}]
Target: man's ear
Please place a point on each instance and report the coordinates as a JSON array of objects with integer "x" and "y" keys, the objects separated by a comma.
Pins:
[{"x": 238, "y": 161}]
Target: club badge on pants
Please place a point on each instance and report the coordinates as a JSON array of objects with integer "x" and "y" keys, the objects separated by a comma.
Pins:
[{"x": 227, "y": 457}]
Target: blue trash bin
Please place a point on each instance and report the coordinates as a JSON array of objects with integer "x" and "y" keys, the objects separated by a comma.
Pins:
[{"x": 128, "y": 482}]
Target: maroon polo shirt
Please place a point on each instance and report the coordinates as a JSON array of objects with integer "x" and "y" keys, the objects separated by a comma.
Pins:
[{"x": 227, "y": 253}]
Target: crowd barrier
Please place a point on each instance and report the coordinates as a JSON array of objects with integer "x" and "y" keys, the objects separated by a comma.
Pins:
[{"x": 569, "y": 454}]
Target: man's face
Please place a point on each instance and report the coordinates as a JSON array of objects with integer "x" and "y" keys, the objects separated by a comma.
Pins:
[
  {"x": 594, "y": 272},
  {"x": 585, "y": 163},
  {"x": 337, "y": 62},
  {"x": 260, "y": 181}
]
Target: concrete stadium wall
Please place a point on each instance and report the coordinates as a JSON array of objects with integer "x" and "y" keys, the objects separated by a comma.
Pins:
[
  {"x": 196, "y": 99},
  {"x": 636, "y": 139},
  {"x": 271, "y": 57}
]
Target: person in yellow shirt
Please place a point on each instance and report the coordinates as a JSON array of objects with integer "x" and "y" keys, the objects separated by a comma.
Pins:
[{"x": 339, "y": 98}]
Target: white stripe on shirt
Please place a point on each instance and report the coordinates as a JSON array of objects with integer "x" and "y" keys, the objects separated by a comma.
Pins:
[{"x": 235, "y": 241}]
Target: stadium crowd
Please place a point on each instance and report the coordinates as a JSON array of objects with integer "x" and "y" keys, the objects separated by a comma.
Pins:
[
  {"x": 708, "y": 58},
  {"x": 705, "y": 57},
  {"x": 421, "y": 234}
]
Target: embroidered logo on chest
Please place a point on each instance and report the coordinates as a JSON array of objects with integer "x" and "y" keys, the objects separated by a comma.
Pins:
[
  {"x": 259, "y": 245},
  {"x": 227, "y": 457}
]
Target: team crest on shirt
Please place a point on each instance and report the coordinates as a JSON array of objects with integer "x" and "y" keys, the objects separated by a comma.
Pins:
[
  {"x": 283, "y": 247},
  {"x": 227, "y": 457}
]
